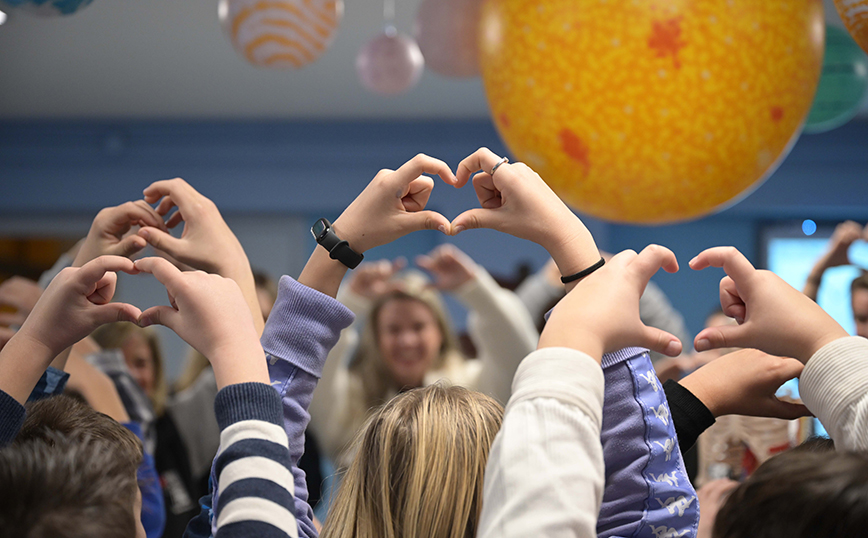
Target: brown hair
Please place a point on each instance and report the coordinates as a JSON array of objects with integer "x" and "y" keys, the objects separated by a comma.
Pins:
[
  {"x": 368, "y": 364},
  {"x": 78, "y": 421},
  {"x": 114, "y": 335},
  {"x": 63, "y": 487},
  {"x": 419, "y": 466},
  {"x": 800, "y": 494}
]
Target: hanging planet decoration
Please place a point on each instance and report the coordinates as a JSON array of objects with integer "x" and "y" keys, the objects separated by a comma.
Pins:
[
  {"x": 446, "y": 31},
  {"x": 47, "y": 8},
  {"x": 842, "y": 85},
  {"x": 854, "y": 13},
  {"x": 281, "y": 33},
  {"x": 390, "y": 64},
  {"x": 651, "y": 112}
]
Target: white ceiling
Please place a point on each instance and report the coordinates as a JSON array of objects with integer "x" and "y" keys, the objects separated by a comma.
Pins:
[{"x": 171, "y": 59}]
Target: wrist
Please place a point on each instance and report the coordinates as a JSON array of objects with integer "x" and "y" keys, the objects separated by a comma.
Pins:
[
  {"x": 236, "y": 364},
  {"x": 574, "y": 251},
  {"x": 356, "y": 239},
  {"x": 699, "y": 389},
  {"x": 555, "y": 335}
]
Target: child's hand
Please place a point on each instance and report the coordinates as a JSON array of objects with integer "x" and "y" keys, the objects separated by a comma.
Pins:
[
  {"x": 77, "y": 302},
  {"x": 515, "y": 200},
  {"x": 393, "y": 205},
  {"x": 601, "y": 314},
  {"x": 451, "y": 267},
  {"x": 373, "y": 279},
  {"x": 207, "y": 243},
  {"x": 108, "y": 233},
  {"x": 771, "y": 315},
  {"x": 210, "y": 313},
  {"x": 744, "y": 383}
]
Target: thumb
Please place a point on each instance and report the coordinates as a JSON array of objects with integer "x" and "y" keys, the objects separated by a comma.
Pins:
[
  {"x": 160, "y": 315},
  {"x": 113, "y": 312},
  {"x": 129, "y": 246},
  {"x": 719, "y": 337},
  {"x": 786, "y": 410},
  {"x": 475, "y": 218},
  {"x": 428, "y": 220},
  {"x": 161, "y": 240},
  {"x": 661, "y": 341}
]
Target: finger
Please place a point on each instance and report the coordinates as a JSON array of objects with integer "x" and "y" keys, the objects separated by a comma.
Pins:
[
  {"x": 177, "y": 189},
  {"x": 105, "y": 289},
  {"x": 477, "y": 218},
  {"x": 417, "y": 166},
  {"x": 482, "y": 159},
  {"x": 729, "y": 258},
  {"x": 162, "y": 240},
  {"x": 487, "y": 194},
  {"x": 159, "y": 315},
  {"x": 651, "y": 259},
  {"x": 162, "y": 269},
  {"x": 129, "y": 246},
  {"x": 176, "y": 219},
  {"x": 418, "y": 193},
  {"x": 398, "y": 263},
  {"x": 427, "y": 220},
  {"x": 785, "y": 410},
  {"x": 165, "y": 206},
  {"x": 425, "y": 262},
  {"x": 114, "y": 312},
  {"x": 661, "y": 341},
  {"x": 730, "y": 302},
  {"x": 136, "y": 212},
  {"x": 721, "y": 336},
  {"x": 93, "y": 271}
]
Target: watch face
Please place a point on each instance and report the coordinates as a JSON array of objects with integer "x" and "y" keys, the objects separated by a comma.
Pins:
[{"x": 319, "y": 229}]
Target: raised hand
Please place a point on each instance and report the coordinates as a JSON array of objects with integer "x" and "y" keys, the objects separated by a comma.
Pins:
[
  {"x": 744, "y": 382},
  {"x": 373, "y": 279},
  {"x": 393, "y": 205},
  {"x": 75, "y": 303},
  {"x": 451, "y": 267},
  {"x": 845, "y": 234},
  {"x": 206, "y": 242},
  {"x": 515, "y": 200},
  {"x": 210, "y": 313},
  {"x": 601, "y": 314},
  {"x": 771, "y": 315},
  {"x": 20, "y": 294},
  {"x": 390, "y": 207},
  {"x": 109, "y": 235}
]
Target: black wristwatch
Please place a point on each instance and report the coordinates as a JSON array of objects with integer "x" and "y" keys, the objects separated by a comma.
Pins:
[{"x": 338, "y": 249}]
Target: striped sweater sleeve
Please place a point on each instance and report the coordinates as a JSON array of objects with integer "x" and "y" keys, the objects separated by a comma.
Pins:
[{"x": 254, "y": 495}]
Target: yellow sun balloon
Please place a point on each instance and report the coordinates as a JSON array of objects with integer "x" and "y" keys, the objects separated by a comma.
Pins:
[{"x": 650, "y": 111}]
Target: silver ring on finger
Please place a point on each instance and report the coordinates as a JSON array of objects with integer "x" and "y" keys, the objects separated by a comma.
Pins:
[{"x": 496, "y": 166}]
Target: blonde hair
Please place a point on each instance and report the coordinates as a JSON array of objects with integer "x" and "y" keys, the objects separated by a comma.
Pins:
[
  {"x": 114, "y": 335},
  {"x": 376, "y": 382},
  {"x": 419, "y": 467}
]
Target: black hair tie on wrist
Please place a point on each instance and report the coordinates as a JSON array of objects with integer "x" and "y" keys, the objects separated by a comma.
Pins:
[{"x": 583, "y": 273}]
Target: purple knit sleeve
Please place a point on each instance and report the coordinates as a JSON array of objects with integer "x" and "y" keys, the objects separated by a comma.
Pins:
[
  {"x": 301, "y": 330},
  {"x": 647, "y": 492}
]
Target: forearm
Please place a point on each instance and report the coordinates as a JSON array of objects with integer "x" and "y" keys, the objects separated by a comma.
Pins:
[
  {"x": 22, "y": 362},
  {"x": 544, "y": 475},
  {"x": 322, "y": 273},
  {"x": 834, "y": 386},
  {"x": 815, "y": 278},
  {"x": 573, "y": 250},
  {"x": 689, "y": 415}
]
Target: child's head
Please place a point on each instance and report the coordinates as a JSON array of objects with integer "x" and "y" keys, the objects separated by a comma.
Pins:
[
  {"x": 65, "y": 487},
  {"x": 419, "y": 466},
  {"x": 800, "y": 494},
  {"x": 90, "y": 461}
]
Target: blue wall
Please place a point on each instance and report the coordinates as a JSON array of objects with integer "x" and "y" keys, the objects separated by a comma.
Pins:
[{"x": 312, "y": 169}]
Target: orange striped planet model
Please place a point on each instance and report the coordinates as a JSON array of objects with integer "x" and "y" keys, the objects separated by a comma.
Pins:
[
  {"x": 281, "y": 33},
  {"x": 650, "y": 111},
  {"x": 854, "y": 13}
]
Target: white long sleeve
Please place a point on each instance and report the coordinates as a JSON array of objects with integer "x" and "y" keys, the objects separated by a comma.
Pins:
[
  {"x": 545, "y": 473},
  {"x": 834, "y": 386}
]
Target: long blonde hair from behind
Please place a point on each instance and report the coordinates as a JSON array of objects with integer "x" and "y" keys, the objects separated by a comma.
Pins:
[{"x": 419, "y": 467}]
